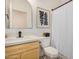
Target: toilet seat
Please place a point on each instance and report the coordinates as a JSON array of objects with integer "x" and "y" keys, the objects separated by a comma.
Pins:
[{"x": 51, "y": 52}]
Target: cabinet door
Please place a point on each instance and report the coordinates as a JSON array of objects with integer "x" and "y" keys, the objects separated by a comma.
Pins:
[
  {"x": 13, "y": 57},
  {"x": 32, "y": 54}
]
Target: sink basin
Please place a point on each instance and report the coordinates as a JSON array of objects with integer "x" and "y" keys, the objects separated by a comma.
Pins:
[{"x": 13, "y": 41}]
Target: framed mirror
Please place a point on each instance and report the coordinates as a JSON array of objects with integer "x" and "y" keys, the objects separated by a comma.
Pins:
[{"x": 18, "y": 14}]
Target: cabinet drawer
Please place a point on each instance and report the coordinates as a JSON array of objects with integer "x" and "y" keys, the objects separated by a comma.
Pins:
[{"x": 21, "y": 48}]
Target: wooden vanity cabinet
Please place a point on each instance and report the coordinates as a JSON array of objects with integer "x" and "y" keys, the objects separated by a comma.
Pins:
[
  {"x": 17, "y": 56},
  {"x": 23, "y": 51}
]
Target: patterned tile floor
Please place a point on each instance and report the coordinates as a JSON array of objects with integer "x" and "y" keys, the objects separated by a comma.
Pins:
[{"x": 60, "y": 57}]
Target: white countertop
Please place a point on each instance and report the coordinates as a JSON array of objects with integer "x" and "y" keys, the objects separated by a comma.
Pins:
[
  {"x": 14, "y": 41},
  {"x": 18, "y": 41}
]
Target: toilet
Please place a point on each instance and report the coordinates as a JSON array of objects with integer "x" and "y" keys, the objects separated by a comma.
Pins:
[{"x": 49, "y": 52}]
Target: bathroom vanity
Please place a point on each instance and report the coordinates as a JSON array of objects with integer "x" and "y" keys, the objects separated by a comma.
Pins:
[
  {"x": 23, "y": 51},
  {"x": 27, "y": 47}
]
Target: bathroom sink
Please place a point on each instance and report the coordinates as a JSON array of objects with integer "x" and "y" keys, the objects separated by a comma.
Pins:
[
  {"x": 25, "y": 39},
  {"x": 14, "y": 41}
]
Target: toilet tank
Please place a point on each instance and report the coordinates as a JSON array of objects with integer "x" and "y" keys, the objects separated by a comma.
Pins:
[{"x": 45, "y": 42}]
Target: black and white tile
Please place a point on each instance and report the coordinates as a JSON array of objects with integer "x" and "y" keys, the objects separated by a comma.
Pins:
[{"x": 60, "y": 57}]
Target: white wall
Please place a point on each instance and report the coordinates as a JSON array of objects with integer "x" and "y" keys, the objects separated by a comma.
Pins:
[{"x": 62, "y": 30}]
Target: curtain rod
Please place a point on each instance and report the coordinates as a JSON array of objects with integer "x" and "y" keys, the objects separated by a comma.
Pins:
[{"x": 61, "y": 5}]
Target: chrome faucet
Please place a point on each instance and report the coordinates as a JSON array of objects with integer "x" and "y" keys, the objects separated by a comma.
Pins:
[{"x": 19, "y": 34}]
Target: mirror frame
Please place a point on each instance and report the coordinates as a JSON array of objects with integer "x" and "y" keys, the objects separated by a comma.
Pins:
[{"x": 9, "y": 17}]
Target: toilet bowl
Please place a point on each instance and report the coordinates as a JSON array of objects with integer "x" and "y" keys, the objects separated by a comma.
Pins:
[{"x": 51, "y": 52}]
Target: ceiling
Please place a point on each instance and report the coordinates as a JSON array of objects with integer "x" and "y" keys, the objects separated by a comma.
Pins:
[
  {"x": 52, "y": 3},
  {"x": 48, "y": 3}
]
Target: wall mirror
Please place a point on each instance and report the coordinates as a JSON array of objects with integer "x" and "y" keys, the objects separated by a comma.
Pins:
[{"x": 18, "y": 14}]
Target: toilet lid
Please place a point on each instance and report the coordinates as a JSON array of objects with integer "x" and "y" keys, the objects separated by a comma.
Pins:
[{"x": 50, "y": 51}]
